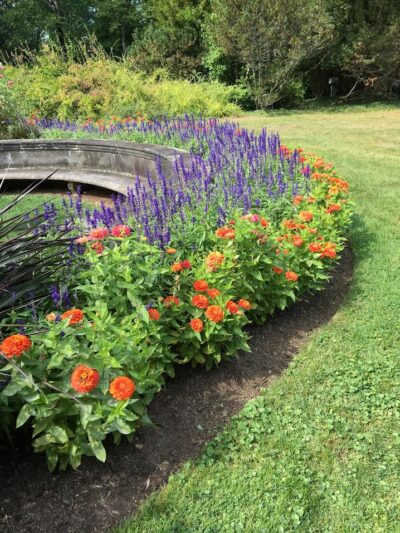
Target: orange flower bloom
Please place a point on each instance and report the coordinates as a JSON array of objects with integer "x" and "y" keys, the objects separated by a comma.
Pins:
[
  {"x": 74, "y": 316},
  {"x": 333, "y": 207},
  {"x": 315, "y": 176},
  {"x": 312, "y": 230},
  {"x": 306, "y": 216},
  {"x": 186, "y": 264},
  {"x": 298, "y": 199},
  {"x": 15, "y": 345},
  {"x": 291, "y": 276},
  {"x": 213, "y": 293},
  {"x": 153, "y": 314},
  {"x": 122, "y": 388},
  {"x": 200, "y": 301},
  {"x": 51, "y": 317},
  {"x": 277, "y": 270},
  {"x": 176, "y": 267},
  {"x": 264, "y": 223},
  {"x": 244, "y": 304},
  {"x": 289, "y": 224},
  {"x": 121, "y": 231},
  {"x": 98, "y": 234},
  {"x": 200, "y": 285},
  {"x": 314, "y": 247},
  {"x": 84, "y": 379},
  {"x": 232, "y": 307},
  {"x": 297, "y": 241},
  {"x": 214, "y": 260},
  {"x": 81, "y": 240},
  {"x": 197, "y": 325},
  {"x": 171, "y": 300},
  {"x": 215, "y": 313},
  {"x": 98, "y": 247},
  {"x": 311, "y": 200},
  {"x": 225, "y": 233},
  {"x": 318, "y": 163},
  {"x": 171, "y": 251},
  {"x": 329, "y": 252}
]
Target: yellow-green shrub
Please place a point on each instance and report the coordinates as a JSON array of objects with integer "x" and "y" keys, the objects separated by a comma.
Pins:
[{"x": 102, "y": 87}]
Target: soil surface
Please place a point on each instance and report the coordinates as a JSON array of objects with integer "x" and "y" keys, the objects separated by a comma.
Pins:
[{"x": 192, "y": 409}]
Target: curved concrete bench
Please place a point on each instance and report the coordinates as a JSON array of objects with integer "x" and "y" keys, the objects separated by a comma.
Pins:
[{"x": 104, "y": 163}]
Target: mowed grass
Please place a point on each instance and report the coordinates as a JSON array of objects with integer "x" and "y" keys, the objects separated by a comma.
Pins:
[
  {"x": 28, "y": 203},
  {"x": 319, "y": 450}
]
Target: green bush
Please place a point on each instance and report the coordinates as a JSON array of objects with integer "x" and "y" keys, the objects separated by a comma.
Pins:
[
  {"x": 12, "y": 123},
  {"x": 102, "y": 87}
]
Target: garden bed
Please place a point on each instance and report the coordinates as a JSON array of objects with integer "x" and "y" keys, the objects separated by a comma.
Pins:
[
  {"x": 169, "y": 275},
  {"x": 193, "y": 408}
]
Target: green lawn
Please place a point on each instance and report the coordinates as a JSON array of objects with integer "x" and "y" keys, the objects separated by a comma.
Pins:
[
  {"x": 319, "y": 450},
  {"x": 32, "y": 201}
]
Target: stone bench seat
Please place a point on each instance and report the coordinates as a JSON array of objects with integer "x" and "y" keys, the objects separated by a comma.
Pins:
[{"x": 103, "y": 163}]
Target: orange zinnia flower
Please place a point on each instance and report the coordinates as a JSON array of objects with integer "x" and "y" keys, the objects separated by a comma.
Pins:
[
  {"x": 277, "y": 270},
  {"x": 176, "y": 267},
  {"x": 297, "y": 241},
  {"x": 200, "y": 301},
  {"x": 298, "y": 199},
  {"x": 215, "y": 313},
  {"x": 329, "y": 252},
  {"x": 121, "y": 231},
  {"x": 232, "y": 307},
  {"x": 225, "y": 233},
  {"x": 74, "y": 316},
  {"x": 197, "y": 325},
  {"x": 98, "y": 233},
  {"x": 214, "y": 260},
  {"x": 84, "y": 379},
  {"x": 306, "y": 216},
  {"x": 333, "y": 207},
  {"x": 171, "y": 251},
  {"x": 122, "y": 388},
  {"x": 289, "y": 224},
  {"x": 291, "y": 276},
  {"x": 98, "y": 247},
  {"x": 314, "y": 247},
  {"x": 244, "y": 304},
  {"x": 15, "y": 345},
  {"x": 170, "y": 300},
  {"x": 213, "y": 293},
  {"x": 311, "y": 200},
  {"x": 186, "y": 264},
  {"x": 264, "y": 223},
  {"x": 51, "y": 317},
  {"x": 200, "y": 285},
  {"x": 153, "y": 314},
  {"x": 81, "y": 240}
]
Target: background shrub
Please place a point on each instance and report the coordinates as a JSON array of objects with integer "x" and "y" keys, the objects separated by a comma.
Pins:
[{"x": 102, "y": 87}]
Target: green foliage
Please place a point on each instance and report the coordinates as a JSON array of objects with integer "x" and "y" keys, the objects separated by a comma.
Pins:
[
  {"x": 12, "y": 123},
  {"x": 29, "y": 254},
  {"x": 142, "y": 311},
  {"x": 318, "y": 450},
  {"x": 272, "y": 41},
  {"x": 102, "y": 87}
]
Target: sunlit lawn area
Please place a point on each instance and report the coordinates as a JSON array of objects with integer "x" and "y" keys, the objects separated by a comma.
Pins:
[{"x": 319, "y": 449}]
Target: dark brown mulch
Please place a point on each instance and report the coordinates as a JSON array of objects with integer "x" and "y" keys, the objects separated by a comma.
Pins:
[{"x": 194, "y": 407}]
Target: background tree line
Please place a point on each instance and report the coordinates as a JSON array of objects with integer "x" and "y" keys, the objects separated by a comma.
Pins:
[{"x": 281, "y": 50}]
